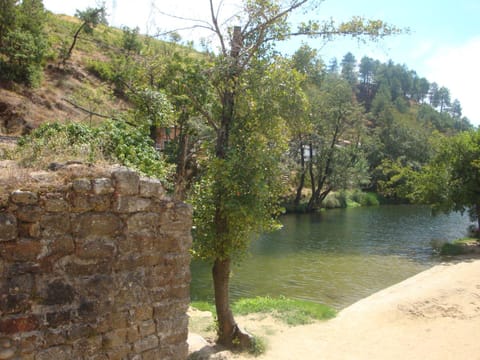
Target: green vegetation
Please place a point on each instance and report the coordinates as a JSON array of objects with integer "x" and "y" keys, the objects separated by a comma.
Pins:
[
  {"x": 250, "y": 126},
  {"x": 459, "y": 247},
  {"x": 112, "y": 141},
  {"x": 90, "y": 18},
  {"x": 23, "y": 42},
  {"x": 290, "y": 311}
]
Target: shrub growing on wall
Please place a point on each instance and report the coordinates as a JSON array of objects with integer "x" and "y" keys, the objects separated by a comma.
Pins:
[{"x": 112, "y": 141}]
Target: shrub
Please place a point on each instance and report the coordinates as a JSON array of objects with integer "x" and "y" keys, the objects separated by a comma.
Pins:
[{"x": 112, "y": 141}]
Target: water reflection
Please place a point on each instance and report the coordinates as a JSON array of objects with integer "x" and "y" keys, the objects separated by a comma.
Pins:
[{"x": 339, "y": 256}]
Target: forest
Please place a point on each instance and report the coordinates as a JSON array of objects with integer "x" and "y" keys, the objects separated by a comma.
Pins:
[{"x": 241, "y": 131}]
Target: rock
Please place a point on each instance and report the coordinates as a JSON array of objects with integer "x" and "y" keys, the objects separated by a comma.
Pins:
[{"x": 196, "y": 342}]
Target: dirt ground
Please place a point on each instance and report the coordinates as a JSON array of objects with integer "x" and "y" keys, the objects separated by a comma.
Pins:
[{"x": 434, "y": 315}]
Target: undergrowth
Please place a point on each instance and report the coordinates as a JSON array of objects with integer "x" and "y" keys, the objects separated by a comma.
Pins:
[{"x": 290, "y": 311}]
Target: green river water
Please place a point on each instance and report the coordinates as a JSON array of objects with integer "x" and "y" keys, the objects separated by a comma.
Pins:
[{"x": 338, "y": 256}]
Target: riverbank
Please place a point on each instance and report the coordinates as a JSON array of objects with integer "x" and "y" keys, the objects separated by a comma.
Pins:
[{"x": 432, "y": 315}]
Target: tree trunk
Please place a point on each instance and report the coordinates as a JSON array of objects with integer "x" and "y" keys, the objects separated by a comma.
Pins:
[
  {"x": 229, "y": 334},
  {"x": 181, "y": 180},
  {"x": 75, "y": 37},
  {"x": 478, "y": 218},
  {"x": 226, "y": 323},
  {"x": 298, "y": 196},
  {"x": 311, "y": 202}
]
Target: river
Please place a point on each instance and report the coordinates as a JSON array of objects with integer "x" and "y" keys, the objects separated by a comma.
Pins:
[{"x": 338, "y": 256}]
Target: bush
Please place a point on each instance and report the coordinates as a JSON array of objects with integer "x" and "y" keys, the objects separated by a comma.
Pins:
[
  {"x": 335, "y": 200},
  {"x": 365, "y": 198},
  {"x": 23, "y": 43},
  {"x": 292, "y": 312},
  {"x": 112, "y": 141}
]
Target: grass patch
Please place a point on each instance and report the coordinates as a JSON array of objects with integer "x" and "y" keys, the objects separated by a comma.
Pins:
[
  {"x": 203, "y": 306},
  {"x": 459, "y": 247},
  {"x": 290, "y": 311},
  {"x": 259, "y": 346}
]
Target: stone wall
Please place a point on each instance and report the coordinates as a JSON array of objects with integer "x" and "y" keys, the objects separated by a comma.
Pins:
[{"x": 95, "y": 269}]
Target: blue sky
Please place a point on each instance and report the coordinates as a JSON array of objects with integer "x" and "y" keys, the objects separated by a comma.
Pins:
[{"x": 443, "y": 44}]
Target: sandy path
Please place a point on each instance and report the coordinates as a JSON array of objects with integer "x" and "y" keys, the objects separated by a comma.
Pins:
[{"x": 433, "y": 315}]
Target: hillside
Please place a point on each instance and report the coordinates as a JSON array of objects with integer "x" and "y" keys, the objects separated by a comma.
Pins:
[
  {"x": 170, "y": 92},
  {"x": 64, "y": 91}
]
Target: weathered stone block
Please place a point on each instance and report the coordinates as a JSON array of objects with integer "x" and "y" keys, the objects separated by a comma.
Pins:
[
  {"x": 151, "y": 188},
  {"x": 102, "y": 186},
  {"x": 143, "y": 224},
  {"x": 147, "y": 343},
  {"x": 29, "y": 230},
  {"x": 147, "y": 327},
  {"x": 8, "y": 227},
  {"x": 143, "y": 313},
  {"x": 57, "y": 353},
  {"x": 54, "y": 225},
  {"x": 114, "y": 338},
  {"x": 87, "y": 348},
  {"x": 133, "y": 334},
  {"x": 59, "y": 293},
  {"x": 80, "y": 203},
  {"x": 80, "y": 331},
  {"x": 29, "y": 213},
  {"x": 55, "y": 203},
  {"x": 126, "y": 182},
  {"x": 131, "y": 204},
  {"x": 119, "y": 353},
  {"x": 18, "y": 324},
  {"x": 79, "y": 267},
  {"x": 97, "y": 225},
  {"x": 7, "y": 353},
  {"x": 97, "y": 249},
  {"x": 14, "y": 303},
  {"x": 59, "y": 318},
  {"x": 61, "y": 246},
  {"x": 23, "y": 250},
  {"x": 24, "y": 197},
  {"x": 154, "y": 354},
  {"x": 82, "y": 185},
  {"x": 100, "y": 202}
]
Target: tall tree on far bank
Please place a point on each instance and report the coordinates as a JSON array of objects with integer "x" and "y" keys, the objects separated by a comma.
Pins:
[
  {"x": 238, "y": 194},
  {"x": 451, "y": 181}
]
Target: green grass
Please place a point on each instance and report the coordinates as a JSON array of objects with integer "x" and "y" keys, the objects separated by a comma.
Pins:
[
  {"x": 203, "y": 306},
  {"x": 458, "y": 247},
  {"x": 290, "y": 311}
]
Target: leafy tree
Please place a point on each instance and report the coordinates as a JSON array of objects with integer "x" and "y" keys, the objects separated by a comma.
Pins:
[
  {"x": 367, "y": 87},
  {"x": 237, "y": 195},
  {"x": 334, "y": 146},
  {"x": 23, "y": 44},
  {"x": 451, "y": 181},
  {"x": 131, "y": 43},
  {"x": 90, "y": 19},
  {"x": 349, "y": 72},
  {"x": 333, "y": 66},
  {"x": 456, "y": 109},
  {"x": 443, "y": 98}
]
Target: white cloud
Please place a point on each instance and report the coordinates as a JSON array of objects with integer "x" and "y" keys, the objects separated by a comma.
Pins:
[{"x": 456, "y": 67}]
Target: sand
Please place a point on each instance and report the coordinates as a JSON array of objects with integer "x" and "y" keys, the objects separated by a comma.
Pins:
[{"x": 433, "y": 315}]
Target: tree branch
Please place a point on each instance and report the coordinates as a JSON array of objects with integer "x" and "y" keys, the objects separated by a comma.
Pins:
[
  {"x": 200, "y": 108},
  {"x": 217, "y": 28},
  {"x": 76, "y": 106}
]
